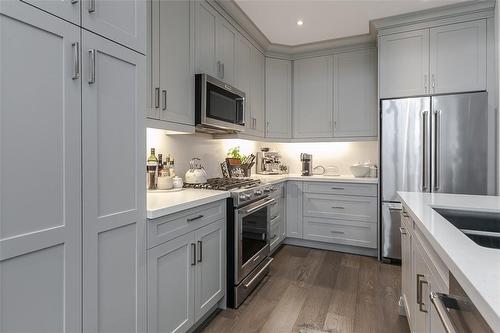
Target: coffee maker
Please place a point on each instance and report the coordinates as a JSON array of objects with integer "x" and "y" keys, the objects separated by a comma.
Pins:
[
  {"x": 268, "y": 162},
  {"x": 307, "y": 163}
]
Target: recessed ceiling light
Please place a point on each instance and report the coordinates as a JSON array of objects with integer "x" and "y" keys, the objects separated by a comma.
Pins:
[{"x": 300, "y": 23}]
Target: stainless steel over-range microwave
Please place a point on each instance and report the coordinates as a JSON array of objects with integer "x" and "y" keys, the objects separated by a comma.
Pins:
[{"x": 219, "y": 107}]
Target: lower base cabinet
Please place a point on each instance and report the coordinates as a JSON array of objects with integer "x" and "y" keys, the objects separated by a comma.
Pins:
[
  {"x": 186, "y": 278},
  {"x": 422, "y": 273}
]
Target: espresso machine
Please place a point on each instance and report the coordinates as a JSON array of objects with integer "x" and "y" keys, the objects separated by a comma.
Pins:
[
  {"x": 268, "y": 162},
  {"x": 307, "y": 162}
]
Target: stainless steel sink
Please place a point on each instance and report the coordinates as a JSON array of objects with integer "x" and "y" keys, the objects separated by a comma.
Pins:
[{"x": 481, "y": 227}]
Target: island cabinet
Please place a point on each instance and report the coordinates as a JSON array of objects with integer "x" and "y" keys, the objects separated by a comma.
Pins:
[
  {"x": 422, "y": 272},
  {"x": 438, "y": 60},
  {"x": 186, "y": 264}
]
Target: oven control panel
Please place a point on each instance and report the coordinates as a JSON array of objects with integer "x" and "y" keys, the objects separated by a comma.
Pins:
[{"x": 244, "y": 196}]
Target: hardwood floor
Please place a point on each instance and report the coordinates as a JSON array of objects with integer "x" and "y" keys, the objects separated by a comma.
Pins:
[{"x": 315, "y": 291}]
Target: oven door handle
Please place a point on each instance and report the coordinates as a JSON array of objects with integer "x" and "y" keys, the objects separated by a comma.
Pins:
[{"x": 262, "y": 205}]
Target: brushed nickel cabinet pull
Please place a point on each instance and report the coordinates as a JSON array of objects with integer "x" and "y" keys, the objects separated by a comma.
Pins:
[
  {"x": 91, "y": 6},
  {"x": 338, "y": 207},
  {"x": 91, "y": 66},
  {"x": 200, "y": 254},
  {"x": 76, "y": 60},
  {"x": 163, "y": 99},
  {"x": 157, "y": 98}
]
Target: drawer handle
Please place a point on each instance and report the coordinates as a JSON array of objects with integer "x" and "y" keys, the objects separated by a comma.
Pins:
[
  {"x": 259, "y": 273},
  {"x": 195, "y": 218},
  {"x": 337, "y": 232},
  {"x": 274, "y": 218},
  {"x": 402, "y": 231},
  {"x": 338, "y": 207},
  {"x": 193, "y": 253},
  {"x": 273, "y": 237},
  {"x": 338, "y": 188}
]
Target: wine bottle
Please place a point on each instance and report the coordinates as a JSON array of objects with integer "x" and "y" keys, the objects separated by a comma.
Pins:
[{"x": 152, "y": 167}]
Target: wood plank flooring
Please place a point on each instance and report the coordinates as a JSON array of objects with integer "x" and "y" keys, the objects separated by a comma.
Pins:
[{"x": 316, "y": 291}]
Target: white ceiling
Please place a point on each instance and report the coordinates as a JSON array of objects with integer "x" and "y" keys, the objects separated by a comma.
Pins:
[{"x": 324, "y": 19}]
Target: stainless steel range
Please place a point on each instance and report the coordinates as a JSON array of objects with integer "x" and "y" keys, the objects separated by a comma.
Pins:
[{"x": 248, "y": 233}]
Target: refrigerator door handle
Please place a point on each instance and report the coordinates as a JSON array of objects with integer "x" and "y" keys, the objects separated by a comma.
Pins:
[
  {"x": 425, "y": 167},
  {"x": 437, "y": 134}
]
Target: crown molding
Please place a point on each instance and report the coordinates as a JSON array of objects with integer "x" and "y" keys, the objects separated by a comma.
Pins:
[
  {"x": 469, "y": 10},
  {"x": 463, "y": 11}
]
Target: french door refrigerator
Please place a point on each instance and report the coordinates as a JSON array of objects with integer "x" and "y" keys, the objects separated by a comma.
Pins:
[{"x": 440, "y": 144}]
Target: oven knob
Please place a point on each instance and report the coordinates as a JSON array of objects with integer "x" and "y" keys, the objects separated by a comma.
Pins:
[
  {"x": 258, "y": 192},
  {"x": 267, "y": 190},
  {"x": 248, "y": 197},
  {"x": 242, "y": 197}
]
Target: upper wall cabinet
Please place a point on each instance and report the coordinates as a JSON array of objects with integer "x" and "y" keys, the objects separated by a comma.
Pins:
[
  {"x": 458, "y": 57},
  {"x": 278, "y": 98},
  {"x": 68, "y": 10},
  {"x": 355, "y": 94},
  {"x": 243, "y": 76},
  {"x": 121, "y": 21},
  {"x": 404, "y": 64},
  {"x": 172, "y": 67},
  {"x": 312, "y": 97},
  {"x": 445, "y": 59},
  {"x": 215, "y": 40},
  {"x": 257, "y": 92}
]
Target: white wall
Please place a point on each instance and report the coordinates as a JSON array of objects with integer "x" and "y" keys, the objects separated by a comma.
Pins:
[{"x": 212, "y": 152}]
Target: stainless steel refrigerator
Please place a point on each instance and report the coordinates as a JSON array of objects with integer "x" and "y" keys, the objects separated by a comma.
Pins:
[{"x": 440, "y": 144}]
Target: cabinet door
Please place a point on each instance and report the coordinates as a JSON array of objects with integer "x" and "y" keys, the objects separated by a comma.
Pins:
[
  {"x": 243, "y": 78},
  {"x": 404, "y": 64},
  {"x": 421, "y": 285},
  {"x": 226, "y": 40},
  {"x": 65, "y": 9},
  {"x": 175, "y": 72},
  {"x": 258, "y": 91},
  {"x": 355, "y": 94},
  {"x": 458, "y": 57},
  {"x": 210, "y": 267},
  {"x": 312, "y": 98},
  {"x": 205, "y": 30},
  {"x": 40, "y": 200},
  {"x": 171, "y": 285},
  {"x": 278, "y": 98},
  {"x": 121, "y": 21},
  {"x": 113, "y": 187},
  {"x": 406, "y": 267},
  {"x": 294, "y": 209}
]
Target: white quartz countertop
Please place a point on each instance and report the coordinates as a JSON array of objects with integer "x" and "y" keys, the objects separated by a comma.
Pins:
[
  {"x": 315, "y": 178},
  {"x": 164, "y": 203},
  {"x": 476, "y": 268}
]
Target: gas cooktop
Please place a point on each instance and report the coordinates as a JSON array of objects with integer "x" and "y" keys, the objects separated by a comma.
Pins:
[{"x": 226, "y": 184}]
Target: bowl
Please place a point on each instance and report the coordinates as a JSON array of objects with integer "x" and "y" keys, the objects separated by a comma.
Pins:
[{"x": 360, "y": 170}]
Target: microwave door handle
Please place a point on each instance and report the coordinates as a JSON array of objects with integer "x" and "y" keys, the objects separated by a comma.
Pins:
[{"x": 242, "y": 120}]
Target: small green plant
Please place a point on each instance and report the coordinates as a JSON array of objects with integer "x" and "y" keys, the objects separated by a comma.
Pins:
[{"x": 235, "y": 153}]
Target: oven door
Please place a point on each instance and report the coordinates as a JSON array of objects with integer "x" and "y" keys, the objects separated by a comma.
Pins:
[{"x": 252, "y": 236}]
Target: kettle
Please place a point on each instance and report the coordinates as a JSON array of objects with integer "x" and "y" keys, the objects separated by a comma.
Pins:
[{"x": 196, "y": 174}]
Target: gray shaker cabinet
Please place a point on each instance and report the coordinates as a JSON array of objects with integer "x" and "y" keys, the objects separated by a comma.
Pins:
[
  {"x": 278, "y": 98},
  {"x": 114, "y": 249},
  {"x": 404, "y": 64},
  {"x": 172, "y": 95},
  {"x": 355, "y": 94},
  {"x": 124, "y": 22},
  {"x": 40, "y": 214},
  {"x": 312, "y": 97}
]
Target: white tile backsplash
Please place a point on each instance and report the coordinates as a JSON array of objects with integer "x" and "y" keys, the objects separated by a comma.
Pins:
[{"x": 213, "y": 151}]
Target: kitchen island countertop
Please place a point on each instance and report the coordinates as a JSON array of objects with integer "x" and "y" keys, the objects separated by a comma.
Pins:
[{"x": 475, "y": 267}]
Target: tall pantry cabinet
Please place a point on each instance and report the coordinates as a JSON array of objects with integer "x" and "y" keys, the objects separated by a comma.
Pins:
[{"x": 72, "y": 240}]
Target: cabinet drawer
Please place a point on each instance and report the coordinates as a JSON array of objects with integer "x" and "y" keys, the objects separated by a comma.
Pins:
[
  {"x": 369, "y": 190},
  {"x": 341, "y": 207},
  {"x": 355, "y": 233},
  {"x": 168, "y": 227},
  {"x": 275, "y": 209}
]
